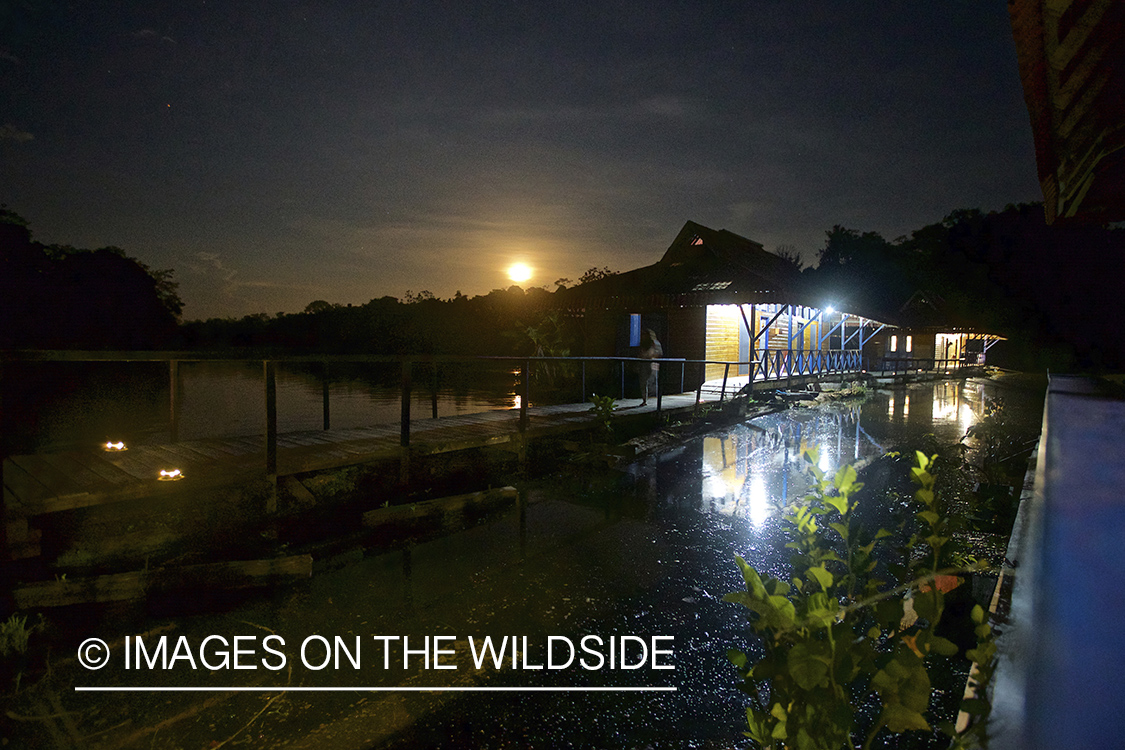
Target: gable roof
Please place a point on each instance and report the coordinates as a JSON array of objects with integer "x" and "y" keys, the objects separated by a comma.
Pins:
[{"x": 702, "y": 266}]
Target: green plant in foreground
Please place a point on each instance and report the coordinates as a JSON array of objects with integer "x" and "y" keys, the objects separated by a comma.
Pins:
[
  {"x": 14, "y": 635},
  {"x": 603, "y": 408},
  {"x": 840, "y": 638}
]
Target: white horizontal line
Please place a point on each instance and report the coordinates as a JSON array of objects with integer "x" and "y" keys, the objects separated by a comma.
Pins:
[{"x": 141, "y": 689}]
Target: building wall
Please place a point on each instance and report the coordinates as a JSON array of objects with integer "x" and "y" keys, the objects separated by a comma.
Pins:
[
  {"x": 686, "y": 337},
  {"x": 722, "y": 330}
]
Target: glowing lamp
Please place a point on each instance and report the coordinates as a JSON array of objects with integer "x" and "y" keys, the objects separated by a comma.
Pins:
[
  {"x": 170, "y": 475},
  {"x": 113, "y": 447},
  {"x": 830, "y": 309},
  {"x": 519, "y": 401}
]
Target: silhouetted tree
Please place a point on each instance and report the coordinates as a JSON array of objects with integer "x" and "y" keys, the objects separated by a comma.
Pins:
[{"x": 58, "y": 296}]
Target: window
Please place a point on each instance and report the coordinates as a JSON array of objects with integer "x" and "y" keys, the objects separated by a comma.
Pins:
[
  {"x": 635, "y": 329},
  {"x": 908, "y": 344},
  {"x": 894, "y": 343}
]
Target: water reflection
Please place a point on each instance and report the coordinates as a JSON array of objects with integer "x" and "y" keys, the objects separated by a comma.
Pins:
[
  {"x": 754, "y": 469},
  {"x": 70, "y": 404}
]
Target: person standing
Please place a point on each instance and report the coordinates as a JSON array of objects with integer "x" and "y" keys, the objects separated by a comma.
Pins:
[{"x": 650, "y": 349}]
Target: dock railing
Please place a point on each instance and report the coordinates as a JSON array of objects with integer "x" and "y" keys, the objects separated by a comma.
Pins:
[{"x": 609, "y": 375}]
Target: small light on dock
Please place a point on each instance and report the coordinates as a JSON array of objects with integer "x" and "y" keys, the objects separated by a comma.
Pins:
[
  {"x": 118, "y": 446},
  {"x": 519, "y": 401},
  {"x": 172, "y": 475}
]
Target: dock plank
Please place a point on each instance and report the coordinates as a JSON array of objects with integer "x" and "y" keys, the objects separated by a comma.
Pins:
[
  {"x": 58, "y": 484},
  {"x": 132, "y": 474}
]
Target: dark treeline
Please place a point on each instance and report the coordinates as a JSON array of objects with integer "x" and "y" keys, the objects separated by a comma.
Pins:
[
  {"x": 1054, "y": 291},
  {"x": 57, "y": 296},
  {"x": 503, "y": 322}
]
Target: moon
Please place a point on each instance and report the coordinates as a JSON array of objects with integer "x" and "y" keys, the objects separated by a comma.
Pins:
[{"x": 519, "y": 272}]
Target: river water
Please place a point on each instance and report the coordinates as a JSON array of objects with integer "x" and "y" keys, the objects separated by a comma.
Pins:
[
  {"x": 57, "y": 405},
  {"x": 641, "y": 553},
  {"x": 679, "y": 519}
]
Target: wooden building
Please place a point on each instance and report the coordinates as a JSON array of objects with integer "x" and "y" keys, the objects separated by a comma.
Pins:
[
  {"x": 719, "y": 297},
  {"x": 1072, "y": 65}
]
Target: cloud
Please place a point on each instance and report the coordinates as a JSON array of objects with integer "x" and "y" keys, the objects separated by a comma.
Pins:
[
  {"x": 10, "y": 132},
  {"x": 151, "y": 34},
  {"x": 666, "y": 106}
]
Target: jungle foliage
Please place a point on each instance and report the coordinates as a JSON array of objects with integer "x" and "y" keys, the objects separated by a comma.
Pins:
[
  {"x": 1050, "y": 289},
  {"x": 850, "y": 637},
  {"x": 58, "y": 297}
]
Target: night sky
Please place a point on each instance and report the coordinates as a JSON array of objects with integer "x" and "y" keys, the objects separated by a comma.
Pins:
[{"x": 275, "y": 153}]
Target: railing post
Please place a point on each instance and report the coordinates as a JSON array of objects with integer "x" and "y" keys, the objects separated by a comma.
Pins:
[
  {"x": 324, "y": 394},
  {"x": 657, "y": 373},
  {"x": 683, "y": 366},
  {"x": 269, "y": 371},
  {"x": 723, "y": 392},
  {"x": 583, "y": 381},
  {"x": 174, "y": 400},
  {"x": 404, "y": 423},
  {"x": 525, "y": 376},
  {"x": 622, "y": 380},
  {"x": 434, "y": 391}
]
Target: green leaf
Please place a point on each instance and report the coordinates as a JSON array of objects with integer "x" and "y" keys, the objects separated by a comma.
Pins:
[
  {"x": 821, "y": 610},
  {"x": 753, "y": 580},
  {"x": 739, "y": 597},
  {"x": 929, "y": 605},
  {"x": 929, "y": 517},
  {"x": 840, "y": 529},
  {"x": 806, "y": 669},
  {"x": 898, "y": 718},
  {"x": 839, "y": 504},
  {"x": 881, "y": 533},
  {"x": 786, "y": 613},
  {"x": 822, "y": 576},
  {"x": 844, "y": 479},
  {"x": 888, "y": 612},
  {"x": 943, "y": 646},
  {"x": 737, "y": 658}
]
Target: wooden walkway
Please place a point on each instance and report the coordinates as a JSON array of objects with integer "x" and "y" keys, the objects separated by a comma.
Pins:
[{"x": 52, "y": 482}]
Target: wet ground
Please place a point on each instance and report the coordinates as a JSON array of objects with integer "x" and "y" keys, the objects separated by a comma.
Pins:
[{"x": 643, "y": 553}]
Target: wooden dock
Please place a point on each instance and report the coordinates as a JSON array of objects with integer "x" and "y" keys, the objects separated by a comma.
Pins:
[
  {"x": 45, "y": 483},
  {"x": 86, "y": 476}
]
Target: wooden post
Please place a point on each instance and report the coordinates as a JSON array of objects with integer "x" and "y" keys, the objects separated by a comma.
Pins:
[
  {"x": 525, "y": 376},
  {"x": 583, "y": 381},
  {"x": 270, "y": 372},
  {"x": 622, "y": 380},
  {"x": 433, "y": 390},
  {"x": 174, "y": 400},
  {"x": 404, "y": 425},
  {"x": 5, "y": 547},
  {"x": 658, "y": 393},
  {"x": 753, "y": 343},
  {"x": 324, "y": 394},
  {"x": 726, "y": 372}
]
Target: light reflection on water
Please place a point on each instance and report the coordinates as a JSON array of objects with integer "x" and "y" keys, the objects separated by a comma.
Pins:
[{"x": 754, "y": 469}]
